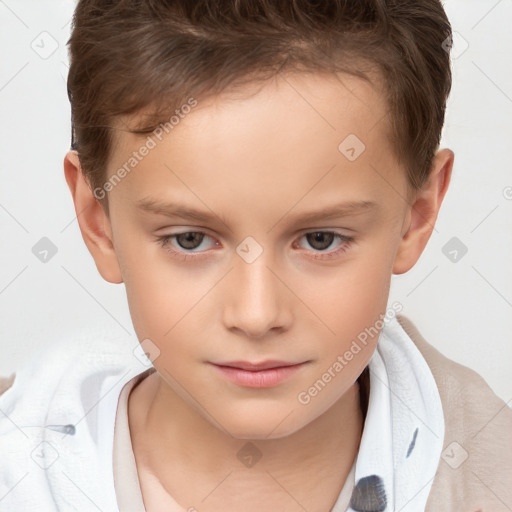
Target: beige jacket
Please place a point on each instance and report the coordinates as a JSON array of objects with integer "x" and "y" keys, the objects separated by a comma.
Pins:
[
  {"x": 478, "y": 425},
  {"x": 475, "y": 470}
]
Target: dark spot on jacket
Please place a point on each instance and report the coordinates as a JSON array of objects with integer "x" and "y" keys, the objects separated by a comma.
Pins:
[{"x": 369, "y": 495}]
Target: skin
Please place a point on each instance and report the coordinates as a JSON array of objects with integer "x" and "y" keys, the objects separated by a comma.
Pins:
[{"x": 256, "y": 161}]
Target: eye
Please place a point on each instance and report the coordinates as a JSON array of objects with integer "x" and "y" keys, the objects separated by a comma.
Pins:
[
  {"x": 321, "y": 240},
  {"x": 188, "y": 241}
]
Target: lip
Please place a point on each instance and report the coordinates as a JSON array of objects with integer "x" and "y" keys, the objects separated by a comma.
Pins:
[
  {"x": 265, "y": 374},
  {"x": 263, "y": 365}
]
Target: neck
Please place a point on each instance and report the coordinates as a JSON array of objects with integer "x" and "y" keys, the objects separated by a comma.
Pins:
[{"x": 188, "y": 456}]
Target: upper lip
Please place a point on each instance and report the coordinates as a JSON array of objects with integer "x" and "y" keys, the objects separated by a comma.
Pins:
[{"x": 263, "y": 365}]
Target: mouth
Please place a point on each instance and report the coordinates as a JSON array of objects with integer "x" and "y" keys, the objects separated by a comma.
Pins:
[
  {"x": 263, "y": 365},
  {"x": 263, "y": 374}
]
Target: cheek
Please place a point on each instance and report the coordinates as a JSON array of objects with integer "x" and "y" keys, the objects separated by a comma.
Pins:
[
  {"x": 158, "y": 293},
  {"x": 352, "y": 296},
  {"x": 351, "y": 304}
]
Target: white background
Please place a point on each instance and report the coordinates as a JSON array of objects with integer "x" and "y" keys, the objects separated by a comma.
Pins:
[{"x": 463, "y": 308}]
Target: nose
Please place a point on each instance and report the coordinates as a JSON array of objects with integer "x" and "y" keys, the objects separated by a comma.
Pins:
[{"x": 256, "y": 302}]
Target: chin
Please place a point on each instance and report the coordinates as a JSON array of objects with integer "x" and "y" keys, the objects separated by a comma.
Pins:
[{"x": 264, "y": 425}]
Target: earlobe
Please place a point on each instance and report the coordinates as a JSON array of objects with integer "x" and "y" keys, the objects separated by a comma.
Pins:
[
  {"x": 422, "y": 214},
  {"x": 93, "y": 221}
]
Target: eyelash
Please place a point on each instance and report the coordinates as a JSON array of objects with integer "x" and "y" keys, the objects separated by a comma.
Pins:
[{"x": 164, "y": 241}]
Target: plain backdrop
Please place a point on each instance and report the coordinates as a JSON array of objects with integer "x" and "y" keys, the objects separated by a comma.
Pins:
[{"x": 459, "y": 294}]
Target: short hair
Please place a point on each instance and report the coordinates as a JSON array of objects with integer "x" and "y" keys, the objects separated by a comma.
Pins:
[{"x": 149, "y": 56}]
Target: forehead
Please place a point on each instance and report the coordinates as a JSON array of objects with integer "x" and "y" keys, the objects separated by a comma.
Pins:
[
  {"x": 308, "y": 101},
  {"x": 283, "y": 133}
]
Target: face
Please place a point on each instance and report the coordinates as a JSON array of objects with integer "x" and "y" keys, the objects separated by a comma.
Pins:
[{"x": 259, "y": 231}]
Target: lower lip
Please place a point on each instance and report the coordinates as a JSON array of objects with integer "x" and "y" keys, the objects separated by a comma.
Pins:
[{"x": 261, "y": 378}]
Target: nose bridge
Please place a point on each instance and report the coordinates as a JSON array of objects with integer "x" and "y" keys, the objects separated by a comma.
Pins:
[{"x": 256, "y": 301}]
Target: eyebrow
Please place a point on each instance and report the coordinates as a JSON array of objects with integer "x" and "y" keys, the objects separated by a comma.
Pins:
[{"x": 170, "y": 209}]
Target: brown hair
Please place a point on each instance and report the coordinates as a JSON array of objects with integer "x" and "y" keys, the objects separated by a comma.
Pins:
[{"x": 150, "y": 56}]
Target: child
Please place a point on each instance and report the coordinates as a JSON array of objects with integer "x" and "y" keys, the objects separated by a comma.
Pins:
[{"x": 217, "y": 147}]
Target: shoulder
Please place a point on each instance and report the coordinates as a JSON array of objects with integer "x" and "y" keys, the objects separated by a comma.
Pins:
[
  {"x": 6, "y": 383},
  {"x": 456, "y": 382},
  {"x": 69, "y": 386},
  {"x": 475, "y": 469},
  {"x": 450, "y": 376},
  {"x": 65, "y": 366}
]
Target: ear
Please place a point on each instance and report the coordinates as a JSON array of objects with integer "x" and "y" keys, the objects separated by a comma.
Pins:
[
  {"x": 422, "y": 214},
  {"x": 93, "y": 220}
]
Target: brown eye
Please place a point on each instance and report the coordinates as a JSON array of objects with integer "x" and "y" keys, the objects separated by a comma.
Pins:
[
  {"x": 188, "y": 245},
  {"x": 320, "y": 240},
  {"x": 189, "y": 240}
]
